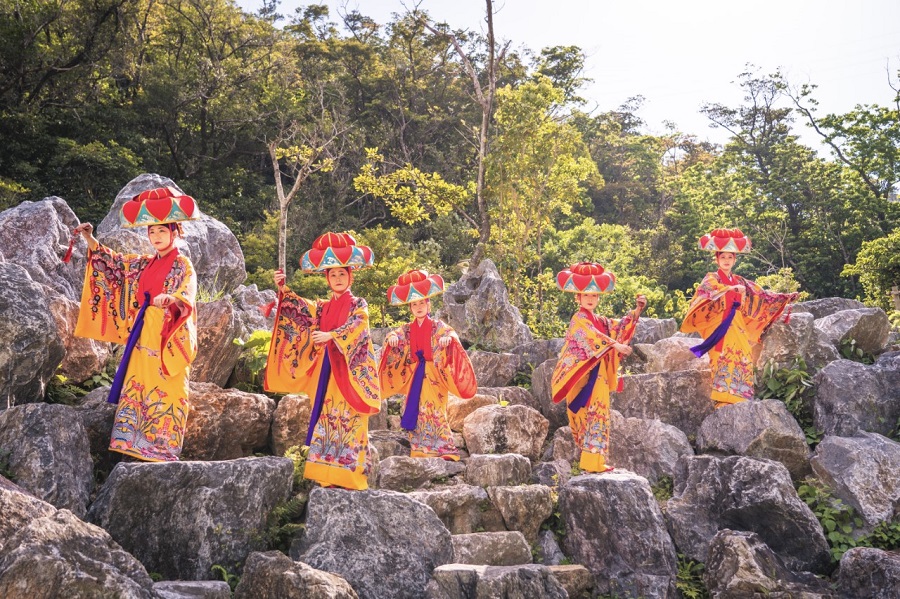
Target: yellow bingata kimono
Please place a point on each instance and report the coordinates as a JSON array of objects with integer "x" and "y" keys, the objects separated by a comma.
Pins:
[
  {"x": 731, "y": 359},
  {"x": 588, "y": 345},
  {"x": 339, "y": 446},
  {"x": 153, "y": 407},
  {"x": 447, "y": 370}
]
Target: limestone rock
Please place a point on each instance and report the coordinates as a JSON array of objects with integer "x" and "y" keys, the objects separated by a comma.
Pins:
[
  {"x": 542, "y": 389},
  {"x": 562, "y": 446},
  {"x": 217, "y": 354},
  {"x": 615, "y": 529},
  {"x": 97, "y": 416},
  {"x": 369, "y": 537},
  {"x": 672, "y": 353},
  {"x": 577, "y": 580},
  {"x": 491, "y": 549},
  {"x": 868, "y": 326},
  {"x": 273, "y": 575},
  {"x": 680, "y": 398},
  {"x": 510, "y": 429},
  {"x": 19, "y": 507},
  {"x": 649, "y": 448},
  {"x": 192, "y": 589},
  {"x": 498, "y": 470},
  {"x": 749, "y": 494},
  {"x": 215, "y": 512},
  {"x": 478, "y": 308},
  {"x": 867, "y": 573},
  {"x": 390, "y": 443},
  {"x": 83, "y": 357},
  {"x": 651, "y": 330},
  {"x": 784, "y": 342},
  {"x": 49, "y": 454},
  {"x": 548, "y": 550},
  {"x": 552, "y": 474},
  {"x": 533, "y": 354},
  {"x": 827, "y": 306},
  {"x": 224, "y": 424},
  {"x": 462, "y": 508},
  {"x": 403, "y": 473},
  {"x": 248, "y": 304},
  {"x": 462, "y": 581},
  {"x": 493, "y": 369},
  {"x": 852, "y": 397},
  {"x": 514, "y": 396},
  {"x": 759, "y": 429},
  {"x": 524, "y": 508},
  {"x": 290, "y": 422},
  {"x": 458, "y": 409}
]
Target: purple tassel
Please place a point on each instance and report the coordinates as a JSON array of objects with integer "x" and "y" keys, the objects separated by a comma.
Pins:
[
  {"x": 718, "y": 334},
  {"x": 584, "y": 395},
  {"x": 411, "y": 414},
  {"x": 324, "y": 375},
  {"x": 115, "y": 391}
]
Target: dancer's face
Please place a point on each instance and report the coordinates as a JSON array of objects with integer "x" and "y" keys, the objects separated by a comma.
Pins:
[
  {"x": 339, "y": 279},
  {"x": 420, "y": 308},
  {"x": 725, "y": 260},
  {"x": 588, "y": 301},
  {"x": 160, "y": 237}
]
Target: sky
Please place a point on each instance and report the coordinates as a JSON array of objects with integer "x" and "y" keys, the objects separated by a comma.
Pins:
[{"x": 680, "y": 55}]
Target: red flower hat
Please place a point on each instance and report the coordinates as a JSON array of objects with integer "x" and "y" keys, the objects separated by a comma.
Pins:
[
  {"x": 414, "y": 285},
  {"x": 726, "y": 240},
  {"x": 158, "y": 206},
  {"x": 586, "y": 277},
  {"x": 336, "y": 250}
]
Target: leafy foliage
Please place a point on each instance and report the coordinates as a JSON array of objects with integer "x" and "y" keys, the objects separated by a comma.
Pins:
[
  {"x": 792, "y": 385},
  {"x": 232, "y": 579},
  {"x": 663, "y": 488},
  {"x": 254, "y": 354},
  {"x": 849, "y": 350},
  {"x": 838, "y": 519},
  {"x": 689, "y": 580}
]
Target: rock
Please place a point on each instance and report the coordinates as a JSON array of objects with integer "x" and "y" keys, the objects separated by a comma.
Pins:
[
  {"x": 759, "y": 429},
  {"x": 19, "y": 508},
  {"x": 97, "y": 416},
  {"x": 867, "y": 573},
  {"x": 851, "y": 397},
  {"x": 533, "y": 354},
  {"x": 30, "y": 345},
  {"x": 462, "y": 508},
  {"x": 562, "y": 447},
  {"x": 214, "y": 512},
  {"x": 749, "y": 494},
  {"x": 83, "y": 357},
  {"x": 390, "y": 443},
  {"x": 614, "y": 528},
  {"x": 402, "y": 473},
  {"x": 224, "y": 424},
  {"x": 249, "y": 303},
  {"x": 212, "y": 247},
  {"x": 649, "y": 448},
  {"x": 542, "y": 389},
  {"x": 491, "y": 549},
  {"x": 577, "y": 580},
  {"x": 672, "y": 353},
  {"x": 514, "y": 396},
  {"x": 273, "y": 575},
  {"x": 784, "y": 342},
  {"x": 290, "y": 422},
  {"x": 552, "y": 474},
  {"x": 498, "y": 470},
  {"x": 868, "y": 326},
  {"x": 379, "y": 420},
  {"x": 458, "y": 409},
  {"x": 217, "y": 355},
  {"x": 462, "y": 581},
  {"x": 524, "y": 508},
  {"x": 548, "y": 551},
  {"x": 740, "y": 565},
  {"x": 369, "y": 537},
  {"x": 35, "y": 236},
  {"x": 862, "y": 471},
  {"x": 49, "y": 454},
  {"x": 192, "y": 589},
  {"x": 510, "y": 429},
  {"x": 680, "y": 398},
  {"x": 827, "y": 306},
  {"x": 478, "y": 308},
  {"x": 651, "y": 330},
  {"x": 493, "y": 369}
]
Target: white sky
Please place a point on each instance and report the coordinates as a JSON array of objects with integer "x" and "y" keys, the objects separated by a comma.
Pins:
[{"x": 679, "y": 55}]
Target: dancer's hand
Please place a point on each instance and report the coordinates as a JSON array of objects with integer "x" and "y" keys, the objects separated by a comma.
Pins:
[
  {"x": 392, "y": 340},
  {"x": 164, "y": 300},
  {"x": 86, "y": 230},
  {"x": 279, "y": 278},
  {"x": 446, "y": 339},
  {"x": 740, "y": 289},
  {"x": 321, "y": 337},
  {"x": 641, "y": 302},
  {"x": 623, "y": 349}
]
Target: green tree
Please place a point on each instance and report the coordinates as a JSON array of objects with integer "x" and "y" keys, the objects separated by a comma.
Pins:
[{"x": 878, "y": 268}]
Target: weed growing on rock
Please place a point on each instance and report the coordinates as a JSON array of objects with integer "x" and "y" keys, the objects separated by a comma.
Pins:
[
  {"x": 793, "y": 386},
  {"x": 663, "y": 489},
  {"x": 689, "y": 580},
  {"x": 838, "y": 519},
  {"x": 231, "y": 579},
  {"x": 284, "y": 523},
  {"x": 850, "y": 351},
  {"x": 254, "y": 356}
]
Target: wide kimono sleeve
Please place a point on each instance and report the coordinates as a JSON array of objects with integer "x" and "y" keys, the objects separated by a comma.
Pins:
[
  {"x": 396, "y": 368},
  {"x": 707, "y": 308},
  {"x": 761, "y": 308},
  {"x": 179, "y": 335},
  {"x": 452, "y": 363},
  {"x": 354, "y": 342},
  {"x": 291, "y": 365},
  {"x": 108, "y": 302},
  {"x": 584, "y": 347}
]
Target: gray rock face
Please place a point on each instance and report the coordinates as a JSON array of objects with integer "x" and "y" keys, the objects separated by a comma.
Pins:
[
  {"x": 463, "y": 509},
  {"x": 827, "y": 306},
  {"x": 510, "y": 429},
  {"x": 192, "y": 589},
  {"x": 83, "y": 357},
  {"x": 461, "y": 581},
  {"x": 478, "y": 307},
  {"x": 217, "y": 354},
  {"x": 862, "y": 471},
  {"x": 680, "y": 398},
  {"x": 390, "y": 443},
  {"x": 498, "y": 470},
  {"x": 493, "y": 369},
  {"x": 759, "y": 429},
  {"x": 368, "y": 537},
  {"x": 784, "y": 342},
  {"x": 552, "y": 474},
  {"x": 649, "y": 448},
  {"x": 273, "y": 575},
  {"x": 514, "y": 396},
  {"x": 97, "y": 416},
  {"x": 402, "y": 473},
  {"x": 30, "y": 345},
  {"x": 524, "y": 508},
  {"x": 868, "y": 326},
  {"x": 548, "y": 549},
  {"x": 614, "y": 528},
  {"x": 18, "y": 507},
  {"x": 35, "y": 235},
  {"x": 491, "y": 549},
  {"x": 58, "y": 555},
  {"x": 852, "y": 397},
  {"x": 740, "y": 565},
  {"x": 671, "y": 353},
  {"x": 562, "y": 446},
  {"x": 458, "y": 409},
  {"x": 577, "y": 580},
  {"x": 224, "y": 424},
  {"x": 651, "y": 330},
  {"x": 49, "y": 454},
  {"x": 215, "y": 512},
  {"x": 248, "y": 302},
  {"x": 867, "y": 573},
  {"x": 541, "y": 388},
  {"x": 212, "y": 247},
  {"x": 290, "y": 422},
  {"x": 531, "y": 355},
  {"x": 744, "y": 494}
]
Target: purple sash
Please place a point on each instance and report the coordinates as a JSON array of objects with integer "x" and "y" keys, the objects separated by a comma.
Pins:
[
  {"x": 324, "y": 375},
  {"x": 411, "y": 413},
  {"x": 584, "y": 395},
  {"x": 115, "y": 391},
  {"x": 718, "y": 334}
]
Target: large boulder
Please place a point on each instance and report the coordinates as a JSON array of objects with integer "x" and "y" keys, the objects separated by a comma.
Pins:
[
  {"x": 650, "y": 448},
  {"x": 191, "y": 589},
  {"x": 785, "y": 341},
  {"x": 212, "y": 247},
  {"x": 19, "y": 507},
  {"x": 290, "y": 422},
  {"x": 535, "y": 353},
  {"x": 224, "y": 424},
  {"x": 488, "y": 470},
  {"x": 83, "y": 357},
  {"x": 249, "y": 306},
  {"x": 671, "y": 353},
  {"x": 827, "y": 306},
  {"x": 523, "y": 507},
  {"x": 514, "y": 396},
  {"x": 614, "y": 528},
  {"x": 749, "y": 494},
  {"x": 97, "y": 416},
  {"x": 869, "y": 327},
  {"x": 760, "y": 429},
  {"x": 464, "y": 581},
  {"x": 651, "y": 330},
  {"x": 49, "y": 454},
  {"x": 867, "y": 573},
  {"x": 371, "y": 537},
  {"x": 403, "y": 473},
  {"x": 458, "y": 409},
  {"x": 851, "y": 397},
  {"x": 510, "y": 429},
  {"x": 30, "y": 344},
  {"x": 463, "y": 509},
  {"x": 553, "y": 474},
  {"x": 478, "y": 308},
  {"x": 273, "y": 575},
  {"x": 504, "y": 548},
  {"x": 862, "y": 471},
  {"x": 493, "y": 369},
  {"x": 562, "y": 446},
  {"x": 182, "y": 518},
  {"x": 542, "y": 389},
  {"x": 390, "y": 443},
  {"x": 680, "y": 398},
  {"x": 217, "y": 354}
]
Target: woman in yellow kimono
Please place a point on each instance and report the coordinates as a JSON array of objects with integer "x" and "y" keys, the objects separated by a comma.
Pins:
[
  {"x": 588, "y": 363},
  {"x": 147, "y": 303},
  {"x": 731, "y": 313},
  {"x": 323, "y": 349},
  {"x": 425, "y": 361}
]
